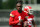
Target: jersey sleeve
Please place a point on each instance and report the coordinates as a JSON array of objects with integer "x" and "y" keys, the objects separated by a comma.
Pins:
[
  {"x": 26, "y": 16},
  {"x": 11, "y": 19}
]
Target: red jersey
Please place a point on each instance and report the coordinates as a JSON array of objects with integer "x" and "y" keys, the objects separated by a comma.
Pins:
[
  {"x": 15, "y": 16},
  {"x": 30, "y": 18}
]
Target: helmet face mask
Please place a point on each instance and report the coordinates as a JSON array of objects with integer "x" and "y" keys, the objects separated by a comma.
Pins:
[{"x": 30, "y": 11}]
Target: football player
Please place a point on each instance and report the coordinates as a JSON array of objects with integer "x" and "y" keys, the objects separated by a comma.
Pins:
[
  {"x": 17, "y": 17},
  {"x": 30, "y": 18}
]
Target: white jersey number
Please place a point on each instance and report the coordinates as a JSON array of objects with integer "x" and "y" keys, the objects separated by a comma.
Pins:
[{"x": 19, "y": 19}]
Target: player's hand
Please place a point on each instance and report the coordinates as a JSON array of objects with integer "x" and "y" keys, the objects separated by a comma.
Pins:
[
  {"x": 21, "y": 20},
  {"x": 25, "y": 24}
]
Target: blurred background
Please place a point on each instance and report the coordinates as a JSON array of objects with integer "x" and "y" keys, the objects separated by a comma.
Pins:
[{"x": 6, "y": 6}]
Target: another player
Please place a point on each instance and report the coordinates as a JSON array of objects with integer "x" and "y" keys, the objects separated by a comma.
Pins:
[
  {"x": 17, "y": 17},
  {"x": 29, "y": 10}
]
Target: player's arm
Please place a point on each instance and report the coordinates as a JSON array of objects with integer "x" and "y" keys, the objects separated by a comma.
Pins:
[
  {"x": 12, "y": 22},
  {"x": 33, "y": 22},
  {"x": 25, "y": 23},
  {"x": 11, "y": 19}
]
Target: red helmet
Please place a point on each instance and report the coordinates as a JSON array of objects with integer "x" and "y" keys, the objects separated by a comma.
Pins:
[{"x": 27, "y": 9}]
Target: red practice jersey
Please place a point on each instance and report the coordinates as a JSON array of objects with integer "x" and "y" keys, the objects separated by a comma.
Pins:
[
  {"x": 30, "y": 18},
  {"x": 15, "y": 16}
]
